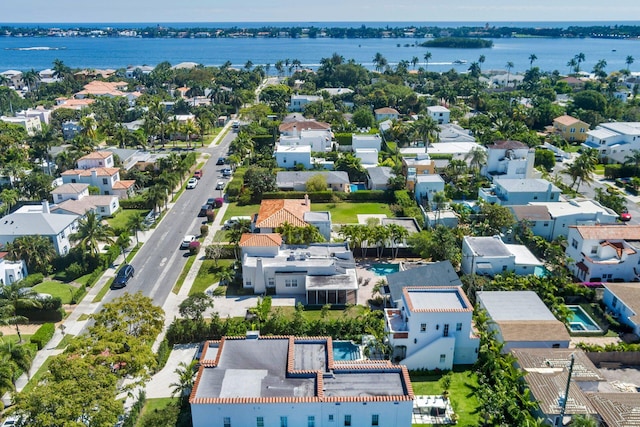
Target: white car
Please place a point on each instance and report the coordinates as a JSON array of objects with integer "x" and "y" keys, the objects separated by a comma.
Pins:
[
  {"x": 220, "y": 185},
  {"x": 186, "y": 241},
  {"x": 191, "y": 184},
  {"x": 10, "y": 422}
]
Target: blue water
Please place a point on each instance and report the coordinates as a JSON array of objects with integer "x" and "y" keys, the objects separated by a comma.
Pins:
[
  {"x": 345, "y": 350},
  {"x": 357, "y": 187},
  {"x": 541, "y": 272},
  {"x": 579, "y": 321},
  {"x": 552, "y": 54},
  {"x": 384, "y": 269}
]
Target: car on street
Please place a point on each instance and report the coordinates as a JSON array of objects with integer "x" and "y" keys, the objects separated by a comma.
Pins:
[
  {"x": 204, "y": 209},
  {"x": 226, "y": 172},
  {"x": 234, "y": 220},
  {"x": 122, "y": 277},
  {"x": 186, "y": 241},
  {"x": 198, "y": 174},
  {"x": 625, "y": 215},
  {"x": 191, "y": 184},
  {"x": 220, "y": 185},
  {"x": 220, "y": 161}
]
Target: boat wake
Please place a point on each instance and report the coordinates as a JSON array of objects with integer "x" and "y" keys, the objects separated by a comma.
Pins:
[{"x": 34, "y": 48}]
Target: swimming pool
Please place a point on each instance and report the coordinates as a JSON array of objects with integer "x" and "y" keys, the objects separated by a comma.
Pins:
[
  {"x": 541, "y": 271},
  {"x": 357, "y": 187},
  {"x": 384, "y": 269},
  {"x": 345, "y": 350},
  {"x": 580, "y": 321}
]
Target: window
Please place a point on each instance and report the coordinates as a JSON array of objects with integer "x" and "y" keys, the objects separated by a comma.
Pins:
[
  {"x": 375, "y": 420},
  {"x": 105, "y": 181},
  {"x": 443, "y": 358},
  {"x": 102, "y": 209},
  {"x": 458, "y": 326},
  {"x": 574, "y": 243},
  {"x": 445, "y": 330},
  {"x": 311, "y": 421},
  {"x": 291, "y": 283},
  {"x": 594, "y": 250},
  {"x": 423, "y": 327},
  {"x": 247, "y": 284},
  {"x": 582, "y": 130},
  {"x": 614, "y": 302},
  {"x": 347, "y": 420},
  {"x": 504, "y": 268},
  {"x": 572, "y": 130},
  {"x": 331, "y": 417},
  {"x": 59, "y": 196},
  {"x": 546, "y": 224},
  {"x": 271, "y": 282},
  {"x": 555, "y": 345},
  {"x": 283, "y": 421},
  {"x": 260, "y": 422},
  {"x": 226, "y": 422}
]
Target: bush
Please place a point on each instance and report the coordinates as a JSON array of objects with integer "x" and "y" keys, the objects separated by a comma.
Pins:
[
  {"x": 43, "y": 335},
  {"x": 33, "y": 279},
  {"x": 163, "y": 354},
  {"x": 211, "y": 215},
  {"x": 369, "y": 196},
  {"x": 78, "y": 295},
  {"x": 314, "y": 196},
  {"x": 74, "y": 271},
  {"x": 344, "y": 138},
  {"x": 138, "y": 202},
  {"x": 204, "y": 229},
  {"x": 194, "y": 247}
]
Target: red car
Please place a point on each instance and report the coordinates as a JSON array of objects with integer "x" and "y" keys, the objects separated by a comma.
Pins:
[
  {"x": 625, "y": 215},
  {"x": 198, "y": 174}
]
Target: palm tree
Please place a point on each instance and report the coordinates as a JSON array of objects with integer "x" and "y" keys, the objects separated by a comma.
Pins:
[
  {"x": 599, "y": 71},
  {"x": 380, "y": 235},
  {"x": 123, "y": 242},
  {"x": 427, "y": 58},
  {"x": 91, "y": 232},
  {"x": 136, "y": 223},
  {"x": 629, "y": 60},
  {"x": 17, "y": 357},
  {"x": 31, "y": 78},
  {"x": 439, "y": 199},
  {"x": 427, "y": 130},
  {"x": 36, "y": 251},
  {"x": 12, "y": 297},
  {"x": 509, "y": 67},
  {"x": 9, "y": 198},
  {"x": 397, "y": 235},
  {"x": 414, "y": 61},
  {"x": 157, "y": 195},
  {"x": 186, "y": 375},
  {"x": 579, "y": 59},
  {"x": 476, "y": 158},
  {"x": 532, "y": 59},
  {"x": 60, "y": 70},
  {"x": 634, "y": 158},
  {"x": 582, "y": 168},
  {"x": 234, "y": 234},
  {"x": 572, "y": 64},
  {"x": 475, "y": 70},
  {"x": 380, "y": 61}
]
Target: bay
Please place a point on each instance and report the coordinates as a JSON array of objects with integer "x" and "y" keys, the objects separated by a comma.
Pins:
[{"x": 86, "y": 52}]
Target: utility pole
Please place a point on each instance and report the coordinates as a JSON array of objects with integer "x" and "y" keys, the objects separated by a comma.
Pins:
[{"x": 563, "y": 403}]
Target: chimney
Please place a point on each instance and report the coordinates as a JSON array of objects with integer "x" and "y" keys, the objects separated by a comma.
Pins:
[
  {"x": 45, "y": 207},
  {"x": 307, "y": 202}
]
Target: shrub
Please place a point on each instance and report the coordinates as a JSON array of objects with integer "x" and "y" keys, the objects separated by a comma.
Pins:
[
  {"x": 218, "y": 202},
  {"x": 344, "y": 138},
  {"x": 33, "y": 279},
  {"x": 43, "y": 335},
  {"x": 314, "y": 196},
  {"x": 204, "y": 229},
  {"x": 78, "y": 295},
  {"x": 138, "y": 202},
  {"x": 211, "y": 215},
  {"x": 74, "y": 271},
  {"x": 163, "y": 354},
  {"x": 369, "y": 196},
  {"x": 194, "y": 247}
]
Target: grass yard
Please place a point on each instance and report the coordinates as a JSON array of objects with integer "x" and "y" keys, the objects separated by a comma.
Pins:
[
  {"x": 234, "y": 210},
  {"x": 122, "y": 217},
  {"x": 311, "y": 315},
  {"x": 14, "y": 338},
  {"x": 461, "y": 393},
  {"x": 103, "y": 291},
  {"x": 152, "y": 405},
  {"x": 56, "y": 289},
  {"x": 35, "y": 379},
  {"x": 183, "y": 274},
  {"x": 346, "y": 212},
  {"x": 208, "y": 274}
]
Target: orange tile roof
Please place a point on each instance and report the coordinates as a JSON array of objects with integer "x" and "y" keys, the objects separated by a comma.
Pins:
[
  {"x": 274, "y": 213},
  {"x": 125, "y": 184},
  {"x": 608, "y": 231},
  {"x": 97, "y": 155},
  {"x": 87, "y": 172},
  {"x": 304, "y": 125},
  {"x": 386, "y": 110},
  {"x": 566, "y": 120},
  {"x": 74, "y": 103},
  {"x": 260, "y": 240}
]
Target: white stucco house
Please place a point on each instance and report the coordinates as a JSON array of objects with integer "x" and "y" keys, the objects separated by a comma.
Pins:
[
  {"x": 290, "y": 156},
  {"x": 614, "y": 141},
  {"x": 386, "y": 113},
  {"x": 623, "y": 301},
  {"x": 11, "y": 271},
  {"x": 509, "y": 160},
  {"x": 97, "y": 169},
  {"x": 320, "y": 140},
  {"x": 431, "y": 328},
  {"x": 368, "y": 156},
  {"x": 295, "y": 381},
  {"x": 439, "y": 114},
  {"x": 489, "y": 255},
  {"x": 426, "y": 186},
  {"x": 506, "y": 192},
  {"x": 521, "y": 320},
  {"x": 298, "y": 102},
  {"x": 366, "y": 141},
  {"x": 31, "y": 124},
  {"x": 604, "y": 252}
]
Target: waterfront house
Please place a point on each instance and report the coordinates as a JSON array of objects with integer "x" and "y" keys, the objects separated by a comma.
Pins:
[
  {"x": 431, "y": 328},
  {"x": 507, "y": 192},
  {"x": 521, "y": 320},
  {"x": 489, "y": 255},
  {"x": 295, "y": 381},
  {"x": 623, "y": 302},
  {"x": 439, "y": 114},
  {"x": 570, "y": 128},
  {"x": 509, "y": 160},
  {"x": 604, "y": 252},
  {"x": 614, "y": 141},
  {"x": 15, "y": 79}
]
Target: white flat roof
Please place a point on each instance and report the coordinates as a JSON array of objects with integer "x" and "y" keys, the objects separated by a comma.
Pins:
[
  {"x": 293, "y": 149},
  {"x": 514, "y": 305},
  {"x": 575, "y": 207},
  {"x": 523, "y": 255},
  {"x": 443, "y": 148}
]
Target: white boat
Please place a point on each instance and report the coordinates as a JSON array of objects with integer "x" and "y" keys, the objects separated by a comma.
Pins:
[{"x": 460, "y": 61}]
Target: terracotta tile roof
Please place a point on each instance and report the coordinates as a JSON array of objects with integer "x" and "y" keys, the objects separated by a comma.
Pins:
[
  {"x": 608, "y": 231},
  {"x": 532, "y": 330},
  {"x": 260, "y": 240},
  {"x": 3, "y": 254},
  {"x": 275, "y": 212},
  {"x": 618, "y": 247},
  {"x": 97, "y": 155},
  {"x": 87, "y": 172},
  {"x": 628, "y": 294},
  {"x": 70, "y": 188},
  {"x": 531, "y": 213},
  {"x": 582, "y": 266},
  {"x": 566, "y": 120},
  {"x": 548, "y": 388},
  {"x": 304, "y": 125},
  {"x": 508, "y": 145},
  {"x": 125, "y": 184},
  {"x": 617, "y": 409},
  {"x": 74, "y": 104},
  {"x": 386, "y": 110}
]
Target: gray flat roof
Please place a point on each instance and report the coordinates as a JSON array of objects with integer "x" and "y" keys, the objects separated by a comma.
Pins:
[
  {"x": 316, "y": 216},
  {"x": 525, "y": 185},
  {"x": 439, "y": 273},
  {"x": 487, "y": 246},
  {"x": 514, "y": 305},
  {"x": 436, "y": 299}
]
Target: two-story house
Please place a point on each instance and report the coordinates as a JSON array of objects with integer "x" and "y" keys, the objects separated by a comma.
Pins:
[
  {"x": 75, "y": 199},
  {"x": 439, "y": 114},
  {"x": 11, "y": 271},
  {"x": 604, "y": 252},
  {"x": 506, "y": 192},
  {"x": 97, "y": 169},
  {"x": 386, "y": 113},
  {"x": 31, "y": 124},
  {"x": 298, "y": 102},
  {"x": 509, "y": 160},
  {"x": 570, "y": 128},
  {"x": 422, "y": 164},
  {"x": 320, "y": 140},
  {"x": 614, "y": 141},
  {"x": 297, "y": 181},
  {"x": 489, "y": 255},
  {"x": 432, "y": 328},
  {"x": 623, "y": 302}
]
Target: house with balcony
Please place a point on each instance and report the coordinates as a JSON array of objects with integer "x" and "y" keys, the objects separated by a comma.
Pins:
[
  {"x": 319, "y": 274},
  {"x": 298, "y": 102},
  {"x": 295, "y": 381},
  {"x": 506, "y": 192},
  {"x": 614, "y": 141},
  {"x": 31, "y": 124},
  {"x": 97, "y": 169},
  {"x": 14, "y": 78},
  {"x": 422, "y": 164},
  {"x": 11, "y": 271},
  {"x": 489, "y": 255},
  {"x": 440, "y": 273},
  {"x": 439, "y": 114},
  {"x": 431, "y": 328},
  {"x": 320, "y": 140},
  {"x": 40, "y": 112},
  {"x": 521, "y": 320},
  {"x": 570, "y": 128},
  {"x": 425, "y": 187},
  {"x": 604, "y": 252},
  {"x": 623, "y": 302},
  {"x": 509, "y": 160}
]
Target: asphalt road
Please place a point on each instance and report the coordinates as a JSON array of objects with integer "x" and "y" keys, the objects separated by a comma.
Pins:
[{"x": 160, "y": 260}]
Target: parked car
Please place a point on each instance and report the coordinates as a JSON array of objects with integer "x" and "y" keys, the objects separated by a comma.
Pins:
[
  {"x": 625, "y": 215},
  {"x": 220, "y": 185},
  {"x": 10, "y": 421},
  {"x": 204, "y": 209},
  {"x": 191, "y": 184},
  {"x": 186, "y": 241},
  {"x": 198, "y": 174},
  {"x": 234, "y": 220},
  {"x": 227, "y": 172},
  {"x": 124, "y": 274},
  {"x": 211, "y": 201},
  {"x": 221, "y": 161}
]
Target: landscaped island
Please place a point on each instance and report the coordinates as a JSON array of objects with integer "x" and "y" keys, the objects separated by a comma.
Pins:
[{"x": 458, "y": 43}]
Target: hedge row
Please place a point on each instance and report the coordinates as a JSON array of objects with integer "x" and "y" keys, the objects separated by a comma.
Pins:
[
  {"x": 78, "y": 295},
  {"x": 617, "y": 170},
  {"x": 33, "y": 279},
  {"x": 138, "y": 202},
  {"x": 330, "y": 196},
  {"x": 43, "y": 335},
  {"x": 344, "y": 138}
]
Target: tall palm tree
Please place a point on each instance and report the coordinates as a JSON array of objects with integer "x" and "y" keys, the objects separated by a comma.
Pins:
[
  {"x": 476, "y": 158},
  {"x": 13, "y": 296},
  {"x": 427, "y": 130},
  {"x": 509, "y": 67},
  {"x": 397, "y": 235},
  {"x": 186, "y": 375},
  {"x": 414, "y": 61},
  {"x": 582, "y": 168},
  {"x": 157, "y": 195},
  {"x": 579, "y": 59},
  {"x": 629, "y": 60},
  {"x": 427, "y": 58},
  {"x": 136, "y": 223},
  {"x": 18, "y": 357},
  {"x": 532, "y": 59},
  {"x": 60, "y": 70},
  {"x": 380, "y": 61},
  {"x": 91, "y": 232},
  {"x": 439, "y": 200},
  {"x": 572, "y": 64},
  {"x": 31, "y": 78},
  {"x": 9, "y": 197}
]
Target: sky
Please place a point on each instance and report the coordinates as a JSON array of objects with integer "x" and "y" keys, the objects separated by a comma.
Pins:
[{"x": 492, "y": 11}]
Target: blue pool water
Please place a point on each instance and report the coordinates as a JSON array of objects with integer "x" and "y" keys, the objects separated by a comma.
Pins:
[
  {"x": 580, "y": 321},
  {"x": 384, "y": 269},
  {"x": 345, "y": 350},
  {"x": 357, "y": 187},
  {"x": 541, "y": 272}
]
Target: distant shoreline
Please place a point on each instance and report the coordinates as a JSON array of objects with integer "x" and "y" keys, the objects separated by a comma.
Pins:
[{"x": 314, "y": 30}]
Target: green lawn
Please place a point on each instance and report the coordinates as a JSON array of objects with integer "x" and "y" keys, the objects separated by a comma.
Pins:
[
  {"x": 315, "y": 314},
  {"x": 151, "y": 405},
  {"x": 208, "y": 274},
  {"x": 103, "y": 291},
  {"x": 183, "y": 274},
  {"x": 14, "y": 338},
  {"x": 35, "y": 379},
  {"x": 56, "y": 289},
  {"x": 341, "y": 213},
  {"x": 121, "y": 219},
  {"x": 461, "y": 393}
]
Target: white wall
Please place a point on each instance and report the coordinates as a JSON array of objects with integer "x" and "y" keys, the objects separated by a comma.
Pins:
[{"x": 624, "y": 313}]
